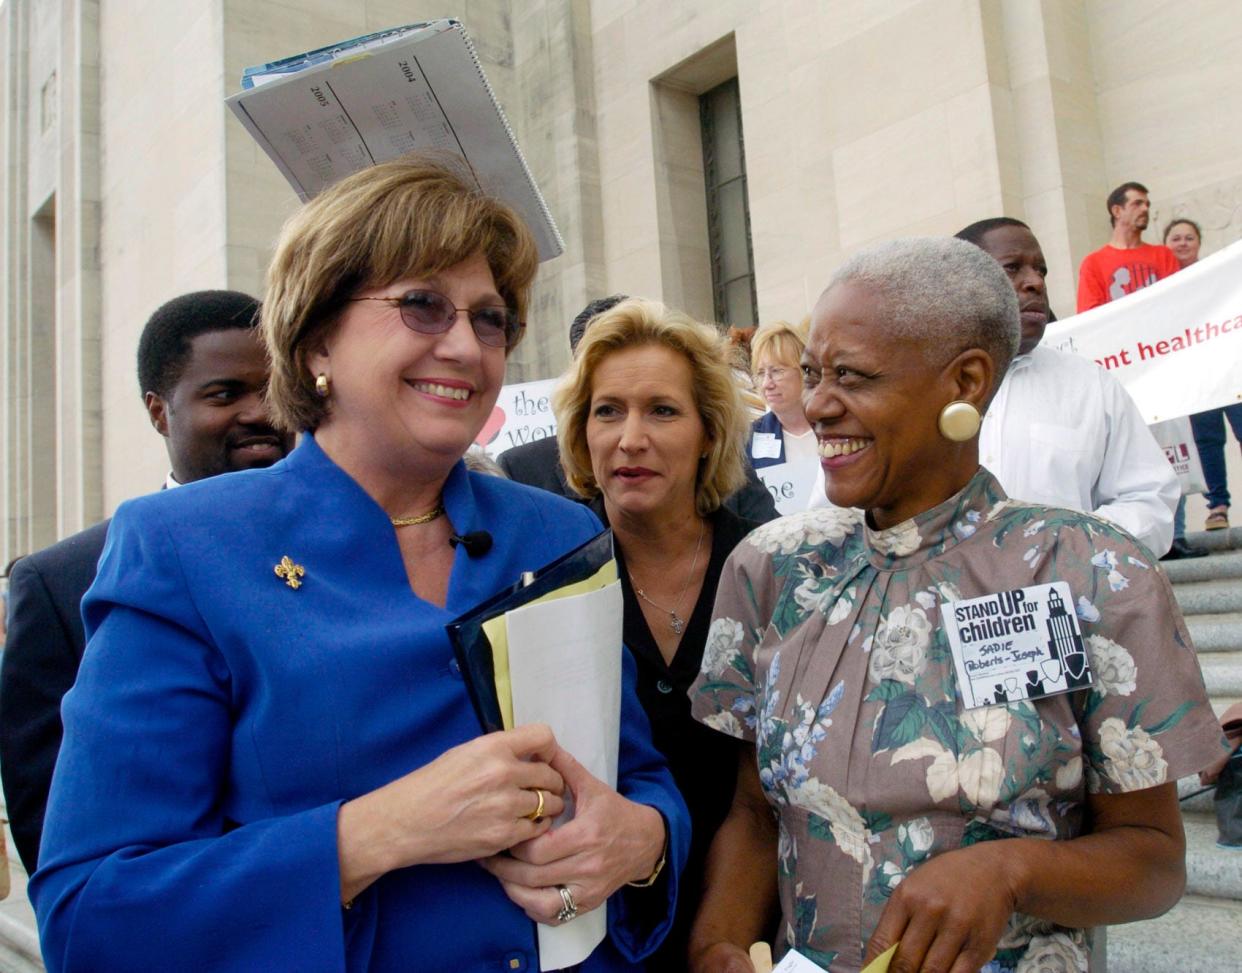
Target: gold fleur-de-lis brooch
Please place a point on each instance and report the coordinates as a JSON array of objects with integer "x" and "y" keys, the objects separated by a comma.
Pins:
[{"x": 292, "y": 573}]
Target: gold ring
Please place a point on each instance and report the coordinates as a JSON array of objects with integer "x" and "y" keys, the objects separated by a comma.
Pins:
[{"x": 537, "y": 814}]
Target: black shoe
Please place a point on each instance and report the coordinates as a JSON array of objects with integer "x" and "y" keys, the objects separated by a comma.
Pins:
[{"x": 1181, "y": 550}]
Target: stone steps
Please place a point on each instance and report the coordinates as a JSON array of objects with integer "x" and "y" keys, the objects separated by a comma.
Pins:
[
  {"x": 1214, "y": 597},
  {"x": 1222, "y": 703},
  {"x": 1210, "y": 869},
  {"x": 1215, "y": 540},
  {"x": 1199, "y": 935},
  {"x": 1215, "y": 567},
  {"x": 1216, "y": 632},
  {"x": 19, "y": 942},
  {"x": 1203, "y": 932},
  {"x": 1222, "y": 673}
]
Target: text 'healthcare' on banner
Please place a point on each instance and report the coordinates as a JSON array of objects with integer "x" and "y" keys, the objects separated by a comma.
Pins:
[{"x": 1176, "y": 346}]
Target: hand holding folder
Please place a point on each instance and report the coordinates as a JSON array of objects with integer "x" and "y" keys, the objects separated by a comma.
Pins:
[{"x": 548, "y": 650}]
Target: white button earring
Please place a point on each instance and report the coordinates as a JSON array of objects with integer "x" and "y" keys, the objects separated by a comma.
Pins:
[{"x": 959, "y": 422}]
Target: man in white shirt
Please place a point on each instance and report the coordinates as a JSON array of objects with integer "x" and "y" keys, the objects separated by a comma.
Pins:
[{"x": 1062, "y": 431}]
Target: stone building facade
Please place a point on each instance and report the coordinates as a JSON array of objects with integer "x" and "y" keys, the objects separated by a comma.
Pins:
[{"x": 124, "y": 180}]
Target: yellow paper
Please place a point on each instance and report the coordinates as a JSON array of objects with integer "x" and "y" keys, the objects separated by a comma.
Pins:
[
  {"x": 497, "y": 635},
  {"x": 880, "y": 963}
]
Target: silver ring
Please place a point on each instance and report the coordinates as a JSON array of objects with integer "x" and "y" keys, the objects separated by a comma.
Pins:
[{"x": 569, "y": 908}]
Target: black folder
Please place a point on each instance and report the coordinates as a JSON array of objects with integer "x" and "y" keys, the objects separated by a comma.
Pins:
[{"x": 470, "y": 643}]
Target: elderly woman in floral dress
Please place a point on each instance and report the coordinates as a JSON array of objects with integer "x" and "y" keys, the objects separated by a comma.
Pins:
[{"x": 978, "y": 833}]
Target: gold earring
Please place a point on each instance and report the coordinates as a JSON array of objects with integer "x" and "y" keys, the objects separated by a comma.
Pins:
[
  {"x": 959, "y": 422},
  {"x": 322, "y": 385}
]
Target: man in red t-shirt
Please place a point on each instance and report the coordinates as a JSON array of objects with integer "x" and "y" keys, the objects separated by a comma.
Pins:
[{"x": 1124, "y": 264}]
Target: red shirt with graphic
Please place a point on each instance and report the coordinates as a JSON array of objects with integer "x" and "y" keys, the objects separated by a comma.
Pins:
[{"x": 1109, "y": 273}]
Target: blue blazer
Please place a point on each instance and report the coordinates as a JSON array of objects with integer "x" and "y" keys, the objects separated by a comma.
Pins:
[
  {"x": 770, "y": 424},
  {"x": 220, "y": 718}
]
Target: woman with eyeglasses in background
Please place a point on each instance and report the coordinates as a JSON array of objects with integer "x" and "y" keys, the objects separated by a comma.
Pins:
[
  {"x": 782, "y": 436},
  {"x": 270, "y": 760}
]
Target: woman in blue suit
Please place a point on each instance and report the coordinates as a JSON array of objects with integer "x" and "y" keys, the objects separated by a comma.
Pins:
[{"x": 269, "y": 758}]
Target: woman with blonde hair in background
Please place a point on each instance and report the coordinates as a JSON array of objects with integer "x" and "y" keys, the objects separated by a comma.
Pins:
[
  {"x": 650, "y": 426},
  {"x": 782, "y": 437}
]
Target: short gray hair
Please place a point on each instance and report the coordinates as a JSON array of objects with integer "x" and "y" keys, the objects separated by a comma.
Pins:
[{"x": 945, "y": 293}]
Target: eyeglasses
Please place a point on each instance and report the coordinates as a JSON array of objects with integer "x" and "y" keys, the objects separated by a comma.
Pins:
[
  {"x": 426, "y": 312},
  {"x": 774, "y": 372}
]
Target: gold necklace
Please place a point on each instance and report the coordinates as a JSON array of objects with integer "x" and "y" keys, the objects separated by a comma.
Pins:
[
  {"x": 420, "y": 519},
  {"x": 675, "y": 621}
]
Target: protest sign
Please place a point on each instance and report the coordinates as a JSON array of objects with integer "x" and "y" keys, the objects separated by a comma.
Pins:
[
  {"x": 522, "y": 414},
  {"x": 790, "y": 484},
  {"x": 1174, "y": 346}
]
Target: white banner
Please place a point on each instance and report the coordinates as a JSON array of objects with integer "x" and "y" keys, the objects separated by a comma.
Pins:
[
  {"x": 523, "y": 413},
  {"x": 790, "y": 485},
  {"x": 1176, "y": 346}
]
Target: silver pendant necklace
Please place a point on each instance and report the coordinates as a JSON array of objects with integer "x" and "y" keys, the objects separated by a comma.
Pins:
[{"x": 675, "y": 621}]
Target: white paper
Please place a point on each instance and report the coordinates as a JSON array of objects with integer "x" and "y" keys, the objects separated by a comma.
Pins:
[
  {"x": 790, "y": 485},
  {"x": 795, "y": 962},
  {"x": 765, "y": 445},
  {"x": 421, "y": 91},
  {"x": 565, "y": 670},
  {"x": 1019, "y": 644}
]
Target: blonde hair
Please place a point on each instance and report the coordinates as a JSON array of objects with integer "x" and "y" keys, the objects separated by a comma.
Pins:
[
  {"x": 635, "y": 323},
  {"x": 411, "y": 217},
  {"x": 779, "y": 343}
]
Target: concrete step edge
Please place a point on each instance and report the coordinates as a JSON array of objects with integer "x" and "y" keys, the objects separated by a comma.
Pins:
[
  {"x": 1222, "y": 673},
  {"x": 1224, "y": 564},
  {"x": 1214, "y": 631},
  {"x": 1209, "y": 597},
  {"x": 1211, "y": 871},
  {"x": 1208, "y": 584},
  {"x": 1216, "y": 540},
  {"x": 1222, "y": 703},
  {"x": 1198, "y": 935},
  {"x": 1203, "y": 803}
]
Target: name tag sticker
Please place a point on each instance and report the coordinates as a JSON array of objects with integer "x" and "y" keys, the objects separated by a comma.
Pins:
[
  {"x": 795, "y": 962},
  {"x": 1018, "y": 644},
  {"x": 765, "y": 445}
]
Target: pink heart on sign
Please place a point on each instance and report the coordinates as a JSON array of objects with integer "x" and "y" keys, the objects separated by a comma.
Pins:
[{"x": 491, "y": 428}]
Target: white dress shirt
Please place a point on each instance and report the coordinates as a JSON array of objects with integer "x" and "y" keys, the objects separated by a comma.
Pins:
[{"x": 1063, "y": 432}]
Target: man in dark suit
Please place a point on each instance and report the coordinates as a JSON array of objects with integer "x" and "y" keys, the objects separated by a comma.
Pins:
[
  {"x": 202, "y": 372},
  {"x": 538, "y": 463}
]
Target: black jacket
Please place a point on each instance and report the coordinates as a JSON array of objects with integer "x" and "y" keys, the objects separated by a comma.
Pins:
[{"x": 40, "y": 662}]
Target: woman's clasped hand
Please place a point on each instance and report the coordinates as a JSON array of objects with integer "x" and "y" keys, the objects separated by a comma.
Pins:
[
  {"x": 471, "y": 802},
  {"x": 610, "y": 842}
]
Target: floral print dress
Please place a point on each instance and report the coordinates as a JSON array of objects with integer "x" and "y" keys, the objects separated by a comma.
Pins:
[{"x": 828, "y": 653}]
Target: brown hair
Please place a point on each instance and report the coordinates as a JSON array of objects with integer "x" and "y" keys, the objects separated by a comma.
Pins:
[
  {"x": 411, "y": 217},
  {"x": 634, "y": 323},
  {"x": 1178, "y": 222}
]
